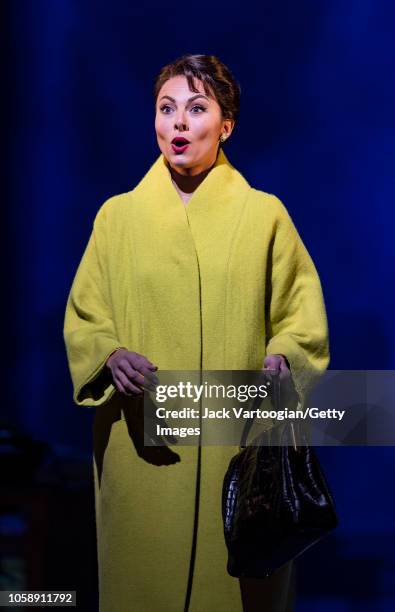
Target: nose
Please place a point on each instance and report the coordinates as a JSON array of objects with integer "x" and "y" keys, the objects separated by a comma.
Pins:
[{"x": 180, "y": 122}]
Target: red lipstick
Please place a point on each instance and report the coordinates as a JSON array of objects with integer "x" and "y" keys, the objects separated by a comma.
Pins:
[{"x": 179, "y": 144}]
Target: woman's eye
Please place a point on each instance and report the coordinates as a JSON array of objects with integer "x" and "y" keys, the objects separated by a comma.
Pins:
[
  {"x": 199, "y": 107},
  {"x": 196, "y": 109}
]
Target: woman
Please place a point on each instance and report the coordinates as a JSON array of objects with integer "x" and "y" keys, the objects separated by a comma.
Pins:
[{"x": 193, "y": 269}]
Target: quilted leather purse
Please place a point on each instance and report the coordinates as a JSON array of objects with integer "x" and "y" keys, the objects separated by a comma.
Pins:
[{"x": 275, "y": 502}]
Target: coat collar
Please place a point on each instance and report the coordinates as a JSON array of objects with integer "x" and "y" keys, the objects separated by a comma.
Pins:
[{"x": 221, "y": 185}]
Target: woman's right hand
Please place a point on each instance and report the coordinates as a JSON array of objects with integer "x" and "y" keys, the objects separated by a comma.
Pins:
[{"x": 131, "y": 372}]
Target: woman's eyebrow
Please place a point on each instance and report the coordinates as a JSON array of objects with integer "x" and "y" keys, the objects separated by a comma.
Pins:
[{"x": 189, "y": 99}]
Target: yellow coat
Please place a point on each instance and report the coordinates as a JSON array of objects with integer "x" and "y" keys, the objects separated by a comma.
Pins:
[{"x": 214, "y": 284}]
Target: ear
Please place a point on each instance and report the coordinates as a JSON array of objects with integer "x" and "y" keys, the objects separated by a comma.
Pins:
[{"x": 227, "y": 127}]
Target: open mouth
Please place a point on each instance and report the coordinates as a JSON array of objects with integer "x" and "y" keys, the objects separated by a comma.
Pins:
[
  {"x": 179, "y": 141},
  {"x": 179, "y": 144}
]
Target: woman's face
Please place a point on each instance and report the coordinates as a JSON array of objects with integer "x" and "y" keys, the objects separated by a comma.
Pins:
[{"x": 194, "y": 117}]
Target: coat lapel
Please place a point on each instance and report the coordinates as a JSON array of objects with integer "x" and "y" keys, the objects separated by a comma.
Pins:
[{"x": 192, "y": 245}]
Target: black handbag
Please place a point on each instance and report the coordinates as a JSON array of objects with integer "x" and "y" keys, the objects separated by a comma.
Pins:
[{"x": 275, "y": 502}]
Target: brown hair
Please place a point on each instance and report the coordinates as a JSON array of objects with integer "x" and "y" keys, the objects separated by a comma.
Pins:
[{"x": 217, "y": 80}]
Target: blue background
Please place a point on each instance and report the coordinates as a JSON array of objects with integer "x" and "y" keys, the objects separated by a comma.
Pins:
[{"x": 316, "y": 128}]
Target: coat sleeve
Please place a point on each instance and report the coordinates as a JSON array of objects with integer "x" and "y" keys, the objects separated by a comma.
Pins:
[
  {"x": 89, "y": 331},
  {"x": 296, "y": 319}
]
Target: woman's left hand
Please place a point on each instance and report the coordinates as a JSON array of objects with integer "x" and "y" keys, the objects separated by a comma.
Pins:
[{"x": 281, "y": 365}]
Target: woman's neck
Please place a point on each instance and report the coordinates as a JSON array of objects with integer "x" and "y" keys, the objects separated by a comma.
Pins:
[
  {"x": 186, "y": 184},
  {"x": 185, "y": 197}
]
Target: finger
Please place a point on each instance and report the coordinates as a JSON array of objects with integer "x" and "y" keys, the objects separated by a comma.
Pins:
[
  {"x": 142, "y": 364},
  {"x": 272, "y": 362},
  {"x": 130, "y": 372},
  {"x": 143, "y": 379},
  {"x": 148, "y": 364},
  {"x": 142, "y": 376},
  {"x": 136, "y": 377},
  {"x": 119, "y": 385},
  {"x": 127, "y": 384},
  {"x": 278, "y": 363},
  {"x": 126, "y": 366},
  {"x": 149, "y": 378},
  {"x": 121, "y": 388},
  {"x": 272, "y": 367}
]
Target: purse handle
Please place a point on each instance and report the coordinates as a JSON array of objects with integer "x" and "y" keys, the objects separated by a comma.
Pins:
[{"x": 276, "y": 401}]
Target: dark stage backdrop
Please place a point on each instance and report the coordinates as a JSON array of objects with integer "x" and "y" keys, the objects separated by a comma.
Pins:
[{"x": 316, "y": 129}]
